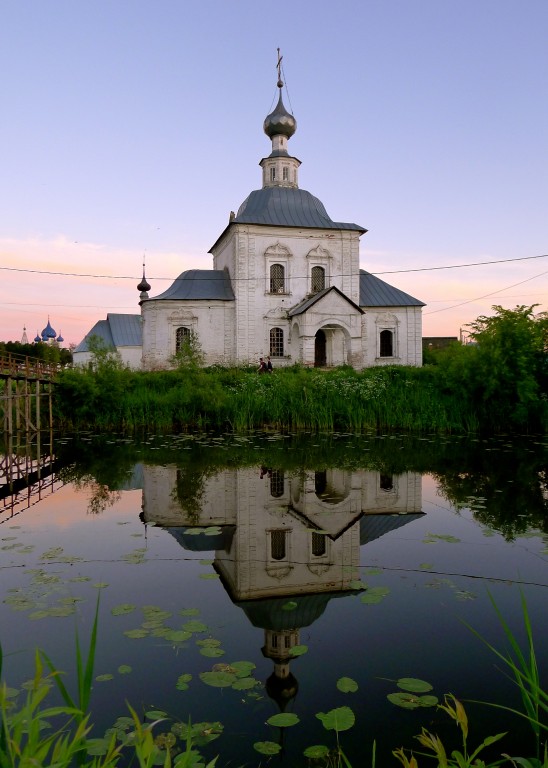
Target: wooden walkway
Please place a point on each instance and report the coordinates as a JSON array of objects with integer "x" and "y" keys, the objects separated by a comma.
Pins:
[
  {"x": 27, "y": 472},
  {"x": 26, "y": 389}
]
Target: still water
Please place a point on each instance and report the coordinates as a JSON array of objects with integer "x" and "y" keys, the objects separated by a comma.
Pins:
[{"x": 240, "y": 577}]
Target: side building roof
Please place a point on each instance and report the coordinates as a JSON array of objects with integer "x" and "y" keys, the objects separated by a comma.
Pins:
[
  {"x": 198, "y": 285},
  {"x": 116, "y": 331},
  {"x": 374, "y": 292}
]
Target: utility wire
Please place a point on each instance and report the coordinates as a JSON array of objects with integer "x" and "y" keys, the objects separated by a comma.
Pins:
[{"x": 297, "y": 277}]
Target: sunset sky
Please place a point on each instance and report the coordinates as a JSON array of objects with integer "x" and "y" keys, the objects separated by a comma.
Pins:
[{"x": 131, "y": 129}]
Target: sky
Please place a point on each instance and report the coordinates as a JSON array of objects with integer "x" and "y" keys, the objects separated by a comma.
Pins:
[{"x": 131, "y": 129}]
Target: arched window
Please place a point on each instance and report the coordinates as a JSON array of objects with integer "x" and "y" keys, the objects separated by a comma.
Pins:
[
  {"x": 182, "y": 334},
  {"x": 277, "y": 278},
  {"x": 277, "y": 483},
  {"x": 278, "y": 544},
  {"x": 318, "y": 279},
  {"x": 276, "y": 342},
  {"x": 318, "y": 544},
  {"x": 387, "y": 344},
  {"x": 386, "y": 482}
]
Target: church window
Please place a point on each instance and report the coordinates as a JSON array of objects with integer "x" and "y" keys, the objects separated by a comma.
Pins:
[
  {"x": 386, "y": 483},
  {"x": 276, "y": 342},
  {"x": 318, "y": 544},
  {"x": 277, "y": 278},
  {"x": 285, "y": 173},
  {"x": 182, "y": 334},
  {"x": 272, "y": 174},
  {"x": 287, "y": 641},
  {"x": 387, "y": 344},
  {"x": 277, "y": 483},
  {"x": 318, "y": 279},
  {"x": 278, "y": 544}
]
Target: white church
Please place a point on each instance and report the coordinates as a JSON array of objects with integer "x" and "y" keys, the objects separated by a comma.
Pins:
[{"x": 286, "y": 282}]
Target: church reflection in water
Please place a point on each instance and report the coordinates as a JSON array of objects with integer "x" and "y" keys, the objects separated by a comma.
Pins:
[{"x": 285, "y": 543}]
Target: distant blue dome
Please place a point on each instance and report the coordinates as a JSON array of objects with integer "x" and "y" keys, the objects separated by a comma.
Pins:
[
  {"x": 60, "y": 339},
  {"x": 48, "y": 332},
  {"x": 37, "y": 338}
]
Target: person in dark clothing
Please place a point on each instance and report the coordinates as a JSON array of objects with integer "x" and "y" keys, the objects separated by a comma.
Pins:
[
  {"x": 269, "y": 364},
  {"x": 262, "y": 366}
]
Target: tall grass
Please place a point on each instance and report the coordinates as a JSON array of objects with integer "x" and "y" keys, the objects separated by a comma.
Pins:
[{"x": 390, "y": 398}]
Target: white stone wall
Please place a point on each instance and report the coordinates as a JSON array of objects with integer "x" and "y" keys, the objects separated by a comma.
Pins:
[
  {"x": 406, "y": 326},
  {"x": 129, "y": 356},
  {"x": 213, "y": 322}
]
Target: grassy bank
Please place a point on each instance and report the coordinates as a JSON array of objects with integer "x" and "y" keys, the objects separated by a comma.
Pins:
[
  {"x": 111, "y": 397},
  {"x": 237, "y": 399}
]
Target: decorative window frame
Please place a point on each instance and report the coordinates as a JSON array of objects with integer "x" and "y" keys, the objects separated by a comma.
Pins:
[
  {"x": 278, "y": 254},
  {"x": 319, "y": 257},
  {"x": 178, "y": 319},
  {"x": 284, "y": 342},
  {"x": 387, "y": 322}
]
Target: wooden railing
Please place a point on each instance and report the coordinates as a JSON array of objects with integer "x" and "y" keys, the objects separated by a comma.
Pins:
[{"x": 22, "y": 367}]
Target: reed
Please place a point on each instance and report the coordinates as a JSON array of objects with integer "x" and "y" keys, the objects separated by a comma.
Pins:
[{"x": 389, "y": 398}]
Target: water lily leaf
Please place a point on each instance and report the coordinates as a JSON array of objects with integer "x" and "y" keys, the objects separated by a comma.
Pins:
[
  {"x": 102, "y": 678},
  {"x": 289, "y": 606},
  {"x": 155, "y": 714},
  {"x": 242, "y": 668},
  {"x": 374, "y": 595},
  {"x": 190, "y": 612},
  {"x": 244, "y": 683},
  {"x": 357, "y": 584},
  {"x": 283, "y": 720},
  {"x": 267, "y": 747},
  {"x": 404, "y": 700},
  {"x": 347, "y": 685},
  {"x": 428, "y": 701},
  {"x": 414, "y": 685},
  {"x": 183, "y": 681},
  {"x": 195, "y": 626},
  {"x": 218, "y": 679},
  {"x": 206, "y": 562},
  {"x": 211, "y": 652},
  {"x": 317, "y": 752},
  {"x": 97, "y": 747},
  {"x": 339, "y": 719},
  {"x": 200, "y": 733},
  {"x": 135, "y": 634},
  {"x": 100, "y": 585},
  {"x": 426, "y": 566},
  {"x": 124, "y": 669},
  {"x": 213, "y": 530},
  {"x": 120, "y": 610},
  {"x": 299, "y": 650},
  {"x": 153, "y": 613},
  {"x": 208, "y": 642}
]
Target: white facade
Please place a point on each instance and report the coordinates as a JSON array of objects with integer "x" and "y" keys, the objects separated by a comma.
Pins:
[{"x": 286, "y": 283}]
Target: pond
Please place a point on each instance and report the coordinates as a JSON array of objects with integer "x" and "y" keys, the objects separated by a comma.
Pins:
[{"x": 240, "y": 577}]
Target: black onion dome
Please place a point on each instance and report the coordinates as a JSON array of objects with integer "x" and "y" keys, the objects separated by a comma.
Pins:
[
  {"x": 143, "y": 285},
  {"x": 280, "y": 121}
]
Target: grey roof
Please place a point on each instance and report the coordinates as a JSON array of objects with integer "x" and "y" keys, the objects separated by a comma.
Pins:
[
  {"x": 374, "y": 526},
  {"x": 287, "y": 207},
  {"x": 199, "y": 285},
  {"x": 298, "y": 309},
  {"x": 116, "y": 331},
  {"x": 376, "y": 293}
]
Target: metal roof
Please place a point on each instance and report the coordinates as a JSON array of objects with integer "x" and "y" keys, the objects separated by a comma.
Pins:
[
  {"x": 376, "y": 293},
  {"x": 116, "y": 331},
  {"x": 374, "y": 526},
  {"x": 287, "y": 207},
  {"x": 298, "y": 309},
  {"x": 199, "y": 285}
]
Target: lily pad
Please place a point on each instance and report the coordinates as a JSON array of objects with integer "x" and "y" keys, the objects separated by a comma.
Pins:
[
  {"x": 347, "y": 685},
  {"x": 374, "y": 595},
  {"x": 103, "y": 678},
  {"x": 124, "y": 669},
  {"x": 120, "y": 610},
  {"x": 316, "y": 752},
  {"x": 212, "y": 652},
  {"x": 339, "y": 719},
  {"x": 289, "y": 606},
  {"x": 267, "y": 747},
  {"x": 177, "y": 635},
  {"x": 195, "y": 626},
  {"x": 283, "y": 720},
  {"x": 411, "y": 701},
  {"x": 414, "y": 685},
  {"x": 244, "y": 683},
  {"x": 299, "y": 650},
  {"x": 218, "y": 679}
]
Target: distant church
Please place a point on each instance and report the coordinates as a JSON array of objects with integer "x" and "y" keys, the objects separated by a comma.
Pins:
[{"x": 285, "y": 282}]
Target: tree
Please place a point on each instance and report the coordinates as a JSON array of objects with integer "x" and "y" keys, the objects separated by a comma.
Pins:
[{"x": 504, "y": 371}]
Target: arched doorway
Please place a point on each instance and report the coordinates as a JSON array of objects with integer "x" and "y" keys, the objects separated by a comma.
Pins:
[{"x": 320, "y": 345}]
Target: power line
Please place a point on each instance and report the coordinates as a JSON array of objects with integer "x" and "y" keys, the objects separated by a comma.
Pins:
[{"x": 297, "y": 277}]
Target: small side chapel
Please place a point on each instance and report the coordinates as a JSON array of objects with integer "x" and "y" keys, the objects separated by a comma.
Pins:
[{"x": 285, "y": 282}]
